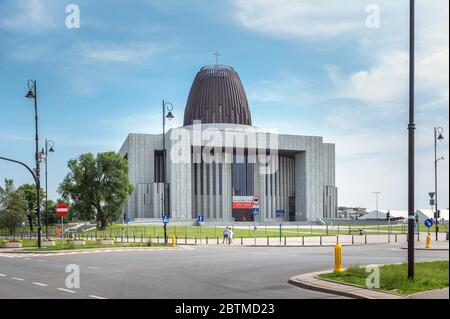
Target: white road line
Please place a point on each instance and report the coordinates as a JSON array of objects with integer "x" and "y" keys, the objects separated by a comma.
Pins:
[
  {"x": 96, "y": 297},
  {"x": 67, "y": 290},
  {"x": 39, "y": 284},
  {"x": 2, "y": 275},
  {"x": 95, "y": 268},
  {"x": 19, "y": 279}
]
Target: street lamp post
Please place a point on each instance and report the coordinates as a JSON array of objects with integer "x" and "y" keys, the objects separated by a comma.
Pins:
[
  {"x": 166, "y": 107},
  {"x": 32, "y": 94},
  {"x": 376, "y": 201},
  {"x": 411, "y": 142},
  {"x": 376, "y": 207},
  {"x": 437, "y": 137},
  {"x": 49, "y": 144}
]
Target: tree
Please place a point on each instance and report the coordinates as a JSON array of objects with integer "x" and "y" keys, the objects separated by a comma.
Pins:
[
  {"x": 97, "y": 187},
  {"x": 13, "y": 207},
  {"x": 29, "y": 193}
]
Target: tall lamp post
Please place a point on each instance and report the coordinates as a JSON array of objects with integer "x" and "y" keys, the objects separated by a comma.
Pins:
[
  {"x": 411, "y": 142},
  {"x": 376, "y": 207},
  {"x": 49, "y": 144},
  {"x": 32, "y": 95},
  {"x": 376, "y": 201},
  {"x": 167, "y": 109},
  {"x": 437, "y": 137}
]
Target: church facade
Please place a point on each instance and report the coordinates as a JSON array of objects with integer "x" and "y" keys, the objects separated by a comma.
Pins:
[{"x": 217, "y": 163}]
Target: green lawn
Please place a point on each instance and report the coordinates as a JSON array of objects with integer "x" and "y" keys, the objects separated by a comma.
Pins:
[
  {"x": 393, "y": 278},
  {"x": 31, "y": 244},
  {"x": 157, "y": 230},
  {"x": 213, "y": 232}
]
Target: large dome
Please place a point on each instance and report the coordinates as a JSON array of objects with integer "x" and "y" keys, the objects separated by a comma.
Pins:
[{"x": 217, "y": 96}]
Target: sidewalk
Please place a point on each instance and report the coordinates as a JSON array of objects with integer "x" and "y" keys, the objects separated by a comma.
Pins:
[
  {"x": 311, "y": 281},
  {"x": 435, "y": 245},
  {"x": 432, "y": 294}
]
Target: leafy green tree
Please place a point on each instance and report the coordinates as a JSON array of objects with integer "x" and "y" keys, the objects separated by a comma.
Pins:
[
  {"x": 97, "y": 187},
  {"x": 29, "y": 193},
  {"x": 13, "y": 207}
]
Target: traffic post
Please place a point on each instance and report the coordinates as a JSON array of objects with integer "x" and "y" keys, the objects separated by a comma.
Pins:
[
  {"x": 255, "y": 212},
  {"x": 165, "y": 220},
  {"x": 279, "y": 213},
  {"x": 428, "y": 223},
  {"x": 62, "y": 210}
]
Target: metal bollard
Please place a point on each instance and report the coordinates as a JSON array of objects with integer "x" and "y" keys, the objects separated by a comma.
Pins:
[
  {"x": 285, "y": 240},
  {"x": 395, "y": 237},
  {"x": 185, "y": 240},
  {"x": 174, "y": 240},
  {"x": 217, "y": 240},
  {"x": 338, "y": 258},
  {"x": 320, "y": 240},
  {"x": 267, "y": 241},
  {"x": 365, "y": 239},
  {"x": 206, "y": 240},
  {"x": 353, "y": 239},
  {"x": 242, "y": 241},
  {"x": 195, "y": 241},
  {"x": 337, "y": 238},
  {"x": 428, "y": 242},
  {"x": 303, "y": 240}
]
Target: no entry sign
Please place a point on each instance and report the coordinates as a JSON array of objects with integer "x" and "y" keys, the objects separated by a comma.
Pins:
[{"x": 62, "y": 210}]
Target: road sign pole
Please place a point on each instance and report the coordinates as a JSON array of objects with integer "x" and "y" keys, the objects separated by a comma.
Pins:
[
  {"x": 389, "y": 229},
  {"x": 165, "y": 233},
  {"x": 280, "y": 232},
  {"x": 62, "y": 232},
  {"x": 254, "y": 228}
]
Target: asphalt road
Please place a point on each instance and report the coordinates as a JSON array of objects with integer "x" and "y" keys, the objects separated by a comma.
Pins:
[{"x": 199, "y": 272}]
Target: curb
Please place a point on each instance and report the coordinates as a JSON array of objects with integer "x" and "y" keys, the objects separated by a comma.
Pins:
[
  {"x": 26, "y": 252},
  {"x": 429, "y": 249},
  {"x": 311, "y": 281}
]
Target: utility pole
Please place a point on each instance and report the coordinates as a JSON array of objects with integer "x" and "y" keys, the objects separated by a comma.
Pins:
[{"x": 411, "y": 143}]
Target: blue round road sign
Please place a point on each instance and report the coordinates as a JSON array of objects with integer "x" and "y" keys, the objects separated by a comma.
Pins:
[{"x": 428, "y": 222}]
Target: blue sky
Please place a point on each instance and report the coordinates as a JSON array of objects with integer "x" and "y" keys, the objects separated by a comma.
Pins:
[{"x": 309, "y": 67}]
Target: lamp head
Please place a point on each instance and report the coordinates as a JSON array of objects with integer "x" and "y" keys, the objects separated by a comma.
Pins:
[
  {"x": 170, "y": 116},
  {"x": 30, "y": 95}
]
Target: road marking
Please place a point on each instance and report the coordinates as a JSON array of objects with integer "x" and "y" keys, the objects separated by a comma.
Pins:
[
  {"x": 96, "y": 297},
  {"x": 95, "y": 268},
  {"x": 67, "y": 290},
  {"x": 2, "y": 275},
  {"x": 118, "y": 270},
  {"x": 27, "y": 258},
  {"x": 19, "y": 279},
  {"x": 39, "y": 284}
]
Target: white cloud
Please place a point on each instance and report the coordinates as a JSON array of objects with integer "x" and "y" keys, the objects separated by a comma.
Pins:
[
  {"x": 300, "y": 18},
  {"x": 386, "y": 83},
  {"x": 30, "y": 16}
]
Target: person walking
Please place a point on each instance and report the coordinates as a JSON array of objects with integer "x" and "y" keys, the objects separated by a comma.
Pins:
[
  {"x": 230, "y": 235},
  {"x": 225, "y": 235}
]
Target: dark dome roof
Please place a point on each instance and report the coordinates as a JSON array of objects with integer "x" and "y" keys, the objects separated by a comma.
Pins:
[{"x": 217, "y": 96}]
